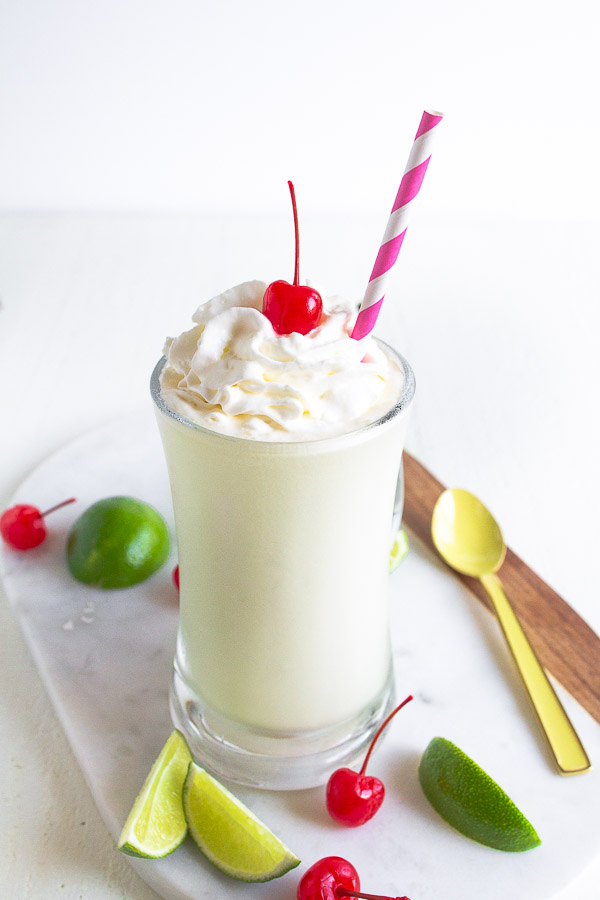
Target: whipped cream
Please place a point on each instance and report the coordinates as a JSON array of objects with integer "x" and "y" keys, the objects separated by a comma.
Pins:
[{"x": 234, "y": 374}]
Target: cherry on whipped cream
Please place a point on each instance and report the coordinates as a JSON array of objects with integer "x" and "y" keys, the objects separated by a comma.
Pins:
[
  {"x": 23, "y": 527},
  {"x": 292, "y": 307},
  {"x": 354, "y": 797},
  {"x": 331, "y": 878}
]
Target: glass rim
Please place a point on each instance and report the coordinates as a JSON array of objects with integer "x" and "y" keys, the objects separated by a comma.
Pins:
[{"x": 403, "y": 401}]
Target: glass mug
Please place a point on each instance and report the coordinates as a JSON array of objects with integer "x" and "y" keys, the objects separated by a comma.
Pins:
[{"x": 283, "y": 669}]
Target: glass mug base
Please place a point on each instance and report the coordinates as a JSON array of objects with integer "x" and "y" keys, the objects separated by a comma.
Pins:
[{"x": 274, "y": 760}]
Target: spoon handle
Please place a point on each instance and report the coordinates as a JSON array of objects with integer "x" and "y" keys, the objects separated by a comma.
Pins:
[{"x": 564, "y": 742}]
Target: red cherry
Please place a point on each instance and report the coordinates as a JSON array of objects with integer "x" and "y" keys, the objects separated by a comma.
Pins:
[
  {"x": 322, "y": 879},
  {"x": 176, "y": 577},
  {"x": 292, "y": 307},
  {"x": 23, "y": 527},
  {"x": 333, "y": 877},
  {"x": 353, "y": 797}
]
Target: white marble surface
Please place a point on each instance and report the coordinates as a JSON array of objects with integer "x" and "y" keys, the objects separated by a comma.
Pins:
[
  {"x": 503, "y": 333},
  {"x": 105, "y": 660}
]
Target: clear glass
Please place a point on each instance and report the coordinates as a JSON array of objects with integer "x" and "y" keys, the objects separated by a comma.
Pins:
[{"x": 283, "y": 669}]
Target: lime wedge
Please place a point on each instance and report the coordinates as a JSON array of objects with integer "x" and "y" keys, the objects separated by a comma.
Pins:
[
  {"x": 156, "y": 824},
  {"x": 229, "y": 834},
  {"x": 399, "y": 550},
  {"x": 469, "y": 800}
]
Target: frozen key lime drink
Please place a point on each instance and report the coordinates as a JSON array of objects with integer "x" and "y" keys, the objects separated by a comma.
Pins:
[{"x": 284, "y": 453}]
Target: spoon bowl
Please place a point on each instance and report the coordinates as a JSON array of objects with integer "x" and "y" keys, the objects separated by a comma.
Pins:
[{"x": 466, "y": 534}]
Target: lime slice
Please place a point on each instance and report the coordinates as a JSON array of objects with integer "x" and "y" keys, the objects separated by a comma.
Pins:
[
  {"x": 229, "y": 834},
  {"x": 156, "y": 824},
  {"x": 399, "y": 550},
  {"x": 469, "y": 800}
]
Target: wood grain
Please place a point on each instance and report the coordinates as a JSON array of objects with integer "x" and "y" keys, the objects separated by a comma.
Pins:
[{"x": 563, "y": 641}]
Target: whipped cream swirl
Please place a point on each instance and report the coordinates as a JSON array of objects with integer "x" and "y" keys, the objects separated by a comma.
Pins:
[{"x": 232, "y": 373}]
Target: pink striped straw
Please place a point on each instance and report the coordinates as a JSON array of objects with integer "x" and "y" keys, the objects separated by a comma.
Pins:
[{"x": 397, "y": 224}]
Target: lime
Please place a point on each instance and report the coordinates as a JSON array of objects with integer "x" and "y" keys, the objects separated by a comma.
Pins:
[
  {"x": 399, "y": 550},
  {"x": 229, "y": 834},
  {"x": 156, "y": 824},
  {"x": 469, "y": 800},
  {"x": 117, "y": 542}
]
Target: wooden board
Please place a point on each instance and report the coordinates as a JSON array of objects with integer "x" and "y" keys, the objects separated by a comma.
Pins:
[{"x": 564, "y": 642}]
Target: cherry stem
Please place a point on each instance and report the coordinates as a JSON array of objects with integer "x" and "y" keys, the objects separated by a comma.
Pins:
[
  {"x": 380, "y": 729},
  {"x": 58, "y": 506},
  {"x": 341, "y": 891},
  {"x": 296, "y": 235}
]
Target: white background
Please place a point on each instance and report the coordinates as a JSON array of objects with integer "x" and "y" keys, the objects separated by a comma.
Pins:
[
  {"x": 144, "y": 150},
  {"x": 189, "y": 105}
]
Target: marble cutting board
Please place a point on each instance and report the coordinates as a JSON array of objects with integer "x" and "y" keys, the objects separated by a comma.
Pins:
[{"x": 105, "y": 659}]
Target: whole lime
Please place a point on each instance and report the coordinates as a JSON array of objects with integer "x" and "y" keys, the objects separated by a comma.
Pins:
[{"x": 117, "y": 542}]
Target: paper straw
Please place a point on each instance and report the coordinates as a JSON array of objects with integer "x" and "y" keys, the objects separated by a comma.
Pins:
[{"x": 397, "y": 224}]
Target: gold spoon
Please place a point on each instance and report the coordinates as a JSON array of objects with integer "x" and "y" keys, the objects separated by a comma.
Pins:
[{"x": 468, "y": 538}]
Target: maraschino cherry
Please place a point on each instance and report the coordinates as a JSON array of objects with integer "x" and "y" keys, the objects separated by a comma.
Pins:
[
  {"x": 23, "y": 527},
  {"x": 176, "y": 577},
  {"x": 292, "y": 307},
  {"x": 353, "y": 797},
  {"x": 331, "y": 878}
]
